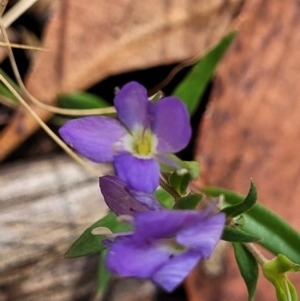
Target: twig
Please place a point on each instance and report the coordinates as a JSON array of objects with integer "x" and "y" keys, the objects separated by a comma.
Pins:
[
  {"x": 53, "y": 109},
  {"x": 48, "y": 130},
  {"x": 21, "y": 46},
  {"x": 3, "y": 5},
  {"x": 16, "y": 11}
]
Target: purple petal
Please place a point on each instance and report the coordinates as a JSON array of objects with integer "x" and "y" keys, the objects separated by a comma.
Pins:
[
  {"x": 117, "y": 197},
  {"x": 171, "y": 125},
  {"x": 139, "y": 174},
  {"x": 131, "y": 103},
  {"x": 93, "y": 137},
  {"x": 168, "y": 162},
  {"x": 174, "y": 270},
  {"x": 163, "y": 224},
  {"x": 204, "y": 235},
  {"x": 127, "y": 258},
  {"x": 147, "y": 199}
]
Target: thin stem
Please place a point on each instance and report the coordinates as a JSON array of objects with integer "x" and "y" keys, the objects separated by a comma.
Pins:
[
  {"x": 48, "y": 130},
  {"x": 16, "y": 11},
  {"x": 22, "y": 46},
  {"x": 3, "y": 5},
  {"x": 260, "y": 258},
  {"x": 53, "y": 109}
]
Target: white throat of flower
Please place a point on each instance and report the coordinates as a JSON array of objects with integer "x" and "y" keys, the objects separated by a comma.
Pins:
[
  {"x": 171, "y": 246},
  {"x": 141, "y": 143}
]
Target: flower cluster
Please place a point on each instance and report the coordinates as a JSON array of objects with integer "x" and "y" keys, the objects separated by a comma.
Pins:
[{"x": 164, "y": 244}]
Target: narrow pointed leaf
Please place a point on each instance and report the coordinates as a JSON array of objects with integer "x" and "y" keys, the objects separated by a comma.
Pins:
[
  {"x": 192, "y": 167},
  {"x": 190, "y": 201},
  {"x": 276, "y": 234},
  {"x": 191, "y": 89},
  {"x": 236, "y": 235},
  {"x": 82, "y": 100},
  {"x": 5, "y": 91},
  {"x": 165, "y": 199},
  {"x": 104, "y": 274},
  {"x": 248, "y": 268},
  {"x": 248, "y": 203},
  {"x": 89, "y": 243},
  {"x": 180, "y": 182}
]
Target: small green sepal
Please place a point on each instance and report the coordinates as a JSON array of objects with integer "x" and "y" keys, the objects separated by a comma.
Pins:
[
  {"x": 164, "y": 197},
  {"x": 188, "y": 202},
  {"x": 172, "y": 163},
  {"x": 180, "y": 182}
]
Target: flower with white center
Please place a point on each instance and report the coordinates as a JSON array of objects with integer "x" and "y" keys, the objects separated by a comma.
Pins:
[
  {"x": 144, "y": 133},
  {"x": 165, "y": 245}
]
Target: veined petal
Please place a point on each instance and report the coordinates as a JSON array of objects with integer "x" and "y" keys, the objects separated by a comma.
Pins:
[
  {"x": 93, "y": 137},
  {"x": 131, "y": 103},
  {"x": 162, "y": 224},
  {"x": 139, "y": 174},
  {"x": 204, "y": 235},
  {"x": 146, "y": 199},
  {"x": 171, "y": 125},
  {"x": 174, "y": 270},
  {"x": 117, "y": 198},
  {"x": 126, "y": 258}
]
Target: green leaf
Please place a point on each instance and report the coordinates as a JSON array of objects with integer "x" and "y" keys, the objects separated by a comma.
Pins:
[
  {"x": 248, "y": 203},
  {"x": 165, "y": 199},
  {"x": 82, "y": 100},
  {"x": 5, "y": 91},
  {"x": 280, "y": 265},
  {"x": 104, "y": 274},
  {"x": 190, "y": 201},
  {"x": 276, "y": 234},
  {"x": 192, "y": 167},
  {"x": 180, "y": 182},
  {"x": 236, "y": 235},
  {"x": 191, "y": 89},
  {"x": 285, "y": 290},
  {"x": 248, "y": 268},
  {"x": 275, "y": 271},
  {"x": 89, "y": 243}
]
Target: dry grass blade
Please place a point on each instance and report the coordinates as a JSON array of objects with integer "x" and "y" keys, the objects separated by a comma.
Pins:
[
  {"x": 16, "y": 11},
  {"x": 3, "y": 5},
  {"x": 20, "y": 46},
  {"x": 53, "y": 109},
  {"x": 48, "y": 130},
  {"x": 106, "y": 38}
]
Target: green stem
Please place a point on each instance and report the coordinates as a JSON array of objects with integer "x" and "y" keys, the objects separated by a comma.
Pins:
[
  {"x": 260, "y": 258},
  {"x": 169, "y": 189}
]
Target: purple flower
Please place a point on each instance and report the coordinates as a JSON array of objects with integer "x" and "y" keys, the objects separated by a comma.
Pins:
[
  {"x": 123, "y": 200},
  {"x": 165, "y": 245},
  {"x": 146, "y": 131}
]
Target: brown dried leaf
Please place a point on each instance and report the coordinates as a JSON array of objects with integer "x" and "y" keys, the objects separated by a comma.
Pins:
[
  {"x": 92, "y": 40},
  {"x": 252, "y": 129}
]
